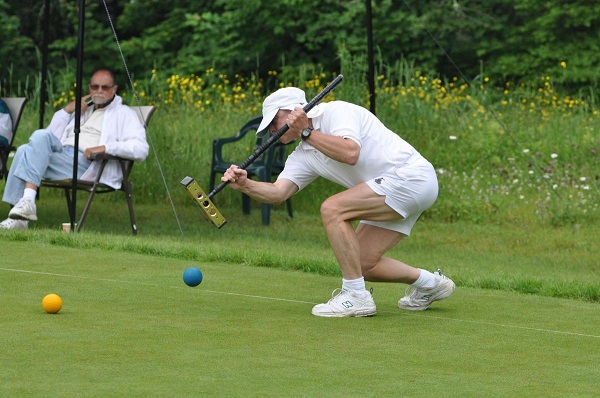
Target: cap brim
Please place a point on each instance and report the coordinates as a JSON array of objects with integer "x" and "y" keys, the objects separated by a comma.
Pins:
[{"x": 266, "y": 120}]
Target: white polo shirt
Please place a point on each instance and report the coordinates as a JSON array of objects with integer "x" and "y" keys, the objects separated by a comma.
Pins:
[{"x": 381, "y": 148}]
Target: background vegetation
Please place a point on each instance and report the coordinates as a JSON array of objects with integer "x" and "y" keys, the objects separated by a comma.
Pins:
[
  {"x": 522, "y": 153},
  {"x": 505, "y": 40},
  {"x": 514, "y": 138}
]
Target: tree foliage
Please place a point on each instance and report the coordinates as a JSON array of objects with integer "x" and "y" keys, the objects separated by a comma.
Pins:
[{"x": 502, "y": 39}]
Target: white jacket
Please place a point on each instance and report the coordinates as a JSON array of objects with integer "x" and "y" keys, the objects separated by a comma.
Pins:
[{"x": 122, "y": 134}]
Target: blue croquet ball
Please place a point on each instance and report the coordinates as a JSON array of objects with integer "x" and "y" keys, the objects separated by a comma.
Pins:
[{"x": 192, "y": 276}]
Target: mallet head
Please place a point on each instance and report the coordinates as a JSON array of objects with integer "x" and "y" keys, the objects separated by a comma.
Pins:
[{"x": 197, "y": 194}]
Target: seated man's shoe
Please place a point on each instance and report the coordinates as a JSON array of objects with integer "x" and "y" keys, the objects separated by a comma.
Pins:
[
  {"x": 23, "y": 210},
  {"x": 9, "y": 223}
]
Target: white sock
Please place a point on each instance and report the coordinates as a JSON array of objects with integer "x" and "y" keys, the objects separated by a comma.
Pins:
[
  {"x": 356, "y": 286},
  {"x": 426, "y": 280},
  {"x": 29, "y": 194}
]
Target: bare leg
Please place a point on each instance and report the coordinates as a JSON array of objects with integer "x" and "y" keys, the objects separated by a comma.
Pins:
[
  {"x": 360, "y": 252},
  {"x": 374, "y": 243},
  {"x": 31, "y": 186}
]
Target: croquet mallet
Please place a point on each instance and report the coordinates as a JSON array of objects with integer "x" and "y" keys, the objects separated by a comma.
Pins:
[{"x": 204, "y": 201}]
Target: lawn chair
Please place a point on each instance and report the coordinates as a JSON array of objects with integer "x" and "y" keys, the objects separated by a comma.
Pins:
[
  {"x": 267, "y": 166},
  {"x": 96, "y": 187},
  {"x": 15, "y": 106}
]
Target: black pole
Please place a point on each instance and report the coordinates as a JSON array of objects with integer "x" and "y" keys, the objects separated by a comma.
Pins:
[
  {"x": 44, "y": 89},
  {"x": 371, "y": 73},
  {"x": 78, "y": 96}
]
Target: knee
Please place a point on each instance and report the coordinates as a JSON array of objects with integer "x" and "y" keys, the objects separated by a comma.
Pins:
[
  {"x": 329, "y": 211},
  {"x": 39, "y": 135}
]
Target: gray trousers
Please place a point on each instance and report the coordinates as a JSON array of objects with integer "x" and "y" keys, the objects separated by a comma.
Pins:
[{"x": 42, "y": 157}]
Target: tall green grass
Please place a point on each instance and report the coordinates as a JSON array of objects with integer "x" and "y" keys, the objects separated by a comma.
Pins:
[{"x": 504, "y": 154}]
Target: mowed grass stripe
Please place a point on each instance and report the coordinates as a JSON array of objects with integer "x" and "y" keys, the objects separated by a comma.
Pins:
[
  {"x": 232, "y": 336},
  {"x": 258, "y": 297}
]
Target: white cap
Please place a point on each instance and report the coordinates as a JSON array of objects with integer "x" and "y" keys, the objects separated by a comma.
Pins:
[{"x": 284, "y": 98}]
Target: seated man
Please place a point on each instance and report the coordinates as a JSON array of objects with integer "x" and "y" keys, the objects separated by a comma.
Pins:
[
  {"x": 5, "y": 125},
  {"x": 106, "y": 127}
]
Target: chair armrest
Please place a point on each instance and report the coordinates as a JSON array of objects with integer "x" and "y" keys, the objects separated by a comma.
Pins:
[{"x": 104, "y": 156}]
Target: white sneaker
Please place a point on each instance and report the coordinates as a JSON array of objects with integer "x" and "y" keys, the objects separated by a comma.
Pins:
[
  {"x": 9, "y": 223},
  {"x": 23, "y": 210},
  {"x": 345, "y": 304},
  {"x": 419, "y": 299}
]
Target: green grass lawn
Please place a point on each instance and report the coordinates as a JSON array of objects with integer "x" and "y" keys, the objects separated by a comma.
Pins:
[{"x": 130, "y": 327}]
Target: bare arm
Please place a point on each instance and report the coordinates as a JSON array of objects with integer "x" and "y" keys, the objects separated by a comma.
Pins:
[
  {"x": 266, "y": 192},
  {"x": 343, "y": 150}
]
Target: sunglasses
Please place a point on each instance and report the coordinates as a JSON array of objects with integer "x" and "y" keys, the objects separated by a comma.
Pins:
[{"x": 103, "y": 87}]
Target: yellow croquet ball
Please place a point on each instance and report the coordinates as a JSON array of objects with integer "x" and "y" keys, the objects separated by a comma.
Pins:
[{"x": 52, "y": 303}]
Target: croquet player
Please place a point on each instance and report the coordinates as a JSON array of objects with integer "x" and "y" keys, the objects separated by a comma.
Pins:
[
  {"x": 389, "y": 184},
  {"x": 106, "y": 127}
]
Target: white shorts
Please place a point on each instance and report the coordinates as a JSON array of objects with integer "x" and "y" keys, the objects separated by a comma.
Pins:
[{"x": 409, "y": 190}]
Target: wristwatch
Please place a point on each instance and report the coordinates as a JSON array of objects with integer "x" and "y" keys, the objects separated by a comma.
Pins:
[{"x": 306, "y": 133}]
